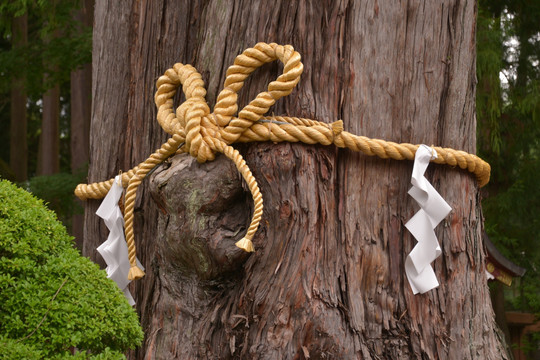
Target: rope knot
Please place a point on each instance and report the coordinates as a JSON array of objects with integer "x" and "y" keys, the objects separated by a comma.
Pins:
[
  {"x": 337, "y": 129},
  {"x": 194, "y": 115}
]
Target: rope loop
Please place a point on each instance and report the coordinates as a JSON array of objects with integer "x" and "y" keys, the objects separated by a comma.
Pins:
[
  {"x": 244, "y": 64},
  {"x": 204, "y": 133},
  {"x": 194, "y": 114}
]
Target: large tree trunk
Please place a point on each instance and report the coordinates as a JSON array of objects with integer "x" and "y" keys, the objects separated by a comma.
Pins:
[
  {"x": 18, "y": 147},
  {"x": 327, "y": 279}
]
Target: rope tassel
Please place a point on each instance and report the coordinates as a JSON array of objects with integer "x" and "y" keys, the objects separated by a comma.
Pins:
[
  {"x": 206, "y": 133},
  {"x": 245, "y": 244}
]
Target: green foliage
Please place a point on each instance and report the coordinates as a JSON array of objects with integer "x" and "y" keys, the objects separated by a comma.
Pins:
[
  {"x": 57, "y": 192},
  {"x": 508, "y": 42},
  {"x": 489, "y": 62},
  {"x": 52, "y": 300},
  {"x": 12, "y": 349},
  {"x": 57, "y": 44}
]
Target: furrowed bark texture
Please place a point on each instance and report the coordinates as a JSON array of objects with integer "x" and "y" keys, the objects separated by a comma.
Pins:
[{"x": 327, "y": 279}]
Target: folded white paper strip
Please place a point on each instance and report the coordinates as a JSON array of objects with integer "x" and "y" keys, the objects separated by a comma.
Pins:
[
  {"x": 114, "y": 250},
  {"x": 433, "y": 209}
]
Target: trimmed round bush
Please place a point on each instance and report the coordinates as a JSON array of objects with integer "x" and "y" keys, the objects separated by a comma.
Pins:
[{"x": 54, "y": 303}]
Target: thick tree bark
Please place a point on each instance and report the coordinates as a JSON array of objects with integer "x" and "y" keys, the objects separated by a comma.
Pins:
[
  {"x": 327, "y": 279},
  {"x": 18, "y": 158},
  {"x": 81, "y": 107}
]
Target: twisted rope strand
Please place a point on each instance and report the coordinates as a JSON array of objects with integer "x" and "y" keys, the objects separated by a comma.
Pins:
[
  {"x": 233, "y": 154},
  {"x": 156, "y": 158},
  {"x": 205, "y": 133}
]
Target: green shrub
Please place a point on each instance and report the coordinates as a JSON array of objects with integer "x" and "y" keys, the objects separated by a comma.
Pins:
[
  {"x": 53, "y": 300},
  {"x": 12, "y": 349}
]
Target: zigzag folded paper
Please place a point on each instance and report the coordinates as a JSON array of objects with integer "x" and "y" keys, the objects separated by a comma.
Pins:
[
  {"x": 433, "y": 209},
  {"x": 114, "y": 250}
]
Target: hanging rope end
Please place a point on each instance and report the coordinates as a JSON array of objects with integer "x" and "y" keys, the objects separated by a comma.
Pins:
[
  {"x": 245, "y": 244},
  {"x": 135, "y": 273},
  {"x": 80, "y": 192}
]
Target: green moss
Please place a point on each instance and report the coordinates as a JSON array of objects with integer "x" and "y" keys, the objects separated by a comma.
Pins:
[
  {"x": 194, "y": 204},
  {"x": 200, "y": 251},
  {"x": 53, "y": 299}
]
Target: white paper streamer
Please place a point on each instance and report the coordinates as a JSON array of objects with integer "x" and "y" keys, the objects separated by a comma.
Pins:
[
  {"x": 114, "y": 250},
  {"x": 433, "y": 209}
]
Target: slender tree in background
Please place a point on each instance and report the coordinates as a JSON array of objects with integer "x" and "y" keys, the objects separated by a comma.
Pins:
[
  {"x": 81, "y": 97},
  {"x": 18, "y": 158},
  {"x": 49, "y": 141},
  {"x": 81, "y": 101},
  {"x": 327, "y": 278}
]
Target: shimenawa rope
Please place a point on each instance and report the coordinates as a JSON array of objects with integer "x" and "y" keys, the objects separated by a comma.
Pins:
[{"x": 202, "y": 133}]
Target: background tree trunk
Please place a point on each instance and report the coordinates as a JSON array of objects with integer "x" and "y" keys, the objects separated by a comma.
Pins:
[
  {"x": 18, "y": 158},
  {"x": 81, "y": 99},
  {"x": 49, "y": 140},
  {"x": 81, "y": 107},
  {"x": 327, "y": 279}
]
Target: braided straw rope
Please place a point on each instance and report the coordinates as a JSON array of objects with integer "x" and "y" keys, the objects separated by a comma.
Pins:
[{"x": 202, "y": 134}]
